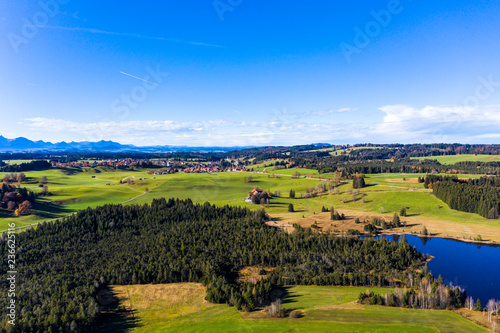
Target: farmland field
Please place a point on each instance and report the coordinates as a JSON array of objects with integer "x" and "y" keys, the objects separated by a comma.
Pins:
[
  {"x": 76, "y": 189},
  {"x": 452, "y": 159},
  {"x": 181, "y": 308}
]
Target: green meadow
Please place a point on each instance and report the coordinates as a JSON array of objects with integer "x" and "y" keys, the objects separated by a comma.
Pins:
[
  {"x": 75, "y": 189},
  {"x": 452, "y": 159},
  {"x": 329, "y": 309},
  {"x": 181, "y": 308}
]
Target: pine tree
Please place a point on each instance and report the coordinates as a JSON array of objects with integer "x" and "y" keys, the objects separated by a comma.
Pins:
[
  {"x": 395, "y": 220},
  {"x": 425, "y": 232},
  {"x": 478, "y": 305},
  {"x": 402, "y": 211}
]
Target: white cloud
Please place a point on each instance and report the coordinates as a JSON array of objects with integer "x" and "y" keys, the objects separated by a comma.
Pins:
[
  {"x": 201, "y": 133},
  {"x": 400, "y": 123},
  {"x": 322, "y": 113},
  {"x": 403, "y": 123}
]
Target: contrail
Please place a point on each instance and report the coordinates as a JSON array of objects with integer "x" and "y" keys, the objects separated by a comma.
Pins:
[
  {"x": 135, "y": 77},
  {"x": 96, "y": 31}
]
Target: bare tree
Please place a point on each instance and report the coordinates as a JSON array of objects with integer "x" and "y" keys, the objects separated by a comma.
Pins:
[
  {"x": 469, "y": 303},
  {"x": 275, "y": 309},
  {"x": 492, "y": 307}
]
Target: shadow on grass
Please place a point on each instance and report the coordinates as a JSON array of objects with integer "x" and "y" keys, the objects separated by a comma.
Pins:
[
  {"x": 69, "y": 171},
  {"x": 114, "y": 316},
  {"x": 285, "y": 294},
  {"x": 49, "y": 210},
  {"x": 5, "y": 214}
]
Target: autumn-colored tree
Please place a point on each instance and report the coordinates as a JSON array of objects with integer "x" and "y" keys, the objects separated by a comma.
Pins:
[
  {"x": 24, "y": 207},
  {"x": 11, "y": 205}
]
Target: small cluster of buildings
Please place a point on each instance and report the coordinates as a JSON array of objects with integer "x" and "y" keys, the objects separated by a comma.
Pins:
[
  {"x": 102, "y": 163},
  {"x": 255, "y": 191},
  {"x": 158, "y": 167}
]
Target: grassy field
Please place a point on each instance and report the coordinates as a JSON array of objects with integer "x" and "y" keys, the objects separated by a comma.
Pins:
[
  {"x": 339, "y": 151},
  {"x": 182, "y": 308},
  {"x": 385, "y": 195},
  {"x": 73, "y": 190},
  {"x": 16, "y": 161},
  {"x": 452, "y": 159}
]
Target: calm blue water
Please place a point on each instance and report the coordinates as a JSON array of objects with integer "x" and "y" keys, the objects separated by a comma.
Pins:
[{"x": 473, "y": 267}]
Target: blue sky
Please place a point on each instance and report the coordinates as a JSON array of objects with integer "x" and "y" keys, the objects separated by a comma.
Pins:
[{"x": 239, "y": 72}]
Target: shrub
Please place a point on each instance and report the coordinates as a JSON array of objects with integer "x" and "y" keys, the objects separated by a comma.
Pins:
[{"x": 275, "y": 310}]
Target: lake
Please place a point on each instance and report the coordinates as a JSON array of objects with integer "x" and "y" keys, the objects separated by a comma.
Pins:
[{"x": 474, "y": 267}]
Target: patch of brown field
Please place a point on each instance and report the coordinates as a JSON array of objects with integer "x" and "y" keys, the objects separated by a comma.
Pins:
[
  {"x": 475, "y": 316},
  {"x": 401, "y": 180},
  {"x": 185, "y": 296},
  {"x": 437, "y": 228},
  {"x": 251, "y": 273},
  {"x": 323, "y": 223}
]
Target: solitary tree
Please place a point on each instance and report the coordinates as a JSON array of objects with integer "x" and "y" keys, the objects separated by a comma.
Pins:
[
  {"x": 290, "y": 208},
  {"x": 491, "y": 307},
  {"x": 292, "y": 194},
  {"x": 402, "y": 211},
  {"x": 425, "y": 232},
  {"x": 395, "y": 220},
  {"x": 479, "y": 307},
  {"x": 358, "y": 182}
]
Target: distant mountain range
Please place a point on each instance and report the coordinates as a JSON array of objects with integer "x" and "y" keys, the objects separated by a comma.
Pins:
[{"x": 24, "y": 145}]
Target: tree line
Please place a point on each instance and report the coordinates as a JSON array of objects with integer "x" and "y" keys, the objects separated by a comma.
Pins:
[
  {"x": 27, "y": 166},
  {"x": 480, "y": 196}
]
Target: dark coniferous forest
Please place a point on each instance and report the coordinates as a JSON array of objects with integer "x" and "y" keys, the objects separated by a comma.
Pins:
[
  {"x": 63, "y": 265},
  {"x": 481, "y": 196}
]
